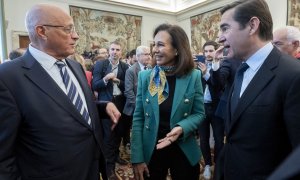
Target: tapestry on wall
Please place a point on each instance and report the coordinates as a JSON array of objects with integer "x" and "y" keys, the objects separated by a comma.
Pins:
[
  {"x": 293, "y": 17},
  {"x": 204, "y": 27},
  {"x": 98, "y": 28}
]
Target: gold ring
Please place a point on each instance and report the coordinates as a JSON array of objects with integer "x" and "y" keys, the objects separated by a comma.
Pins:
[{"x": 170, "y": 141}]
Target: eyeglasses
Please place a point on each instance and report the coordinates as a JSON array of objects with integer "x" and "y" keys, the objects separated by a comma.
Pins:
[
  {"x": 146, "y": 54},
  {"x": 66, "y": 29}
]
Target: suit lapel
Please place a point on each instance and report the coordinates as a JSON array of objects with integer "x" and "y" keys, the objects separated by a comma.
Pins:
[
  {"x": 180, "y": 89},
  {"x": 261, "y": 79},
  {"x": 42, "y": 80}
]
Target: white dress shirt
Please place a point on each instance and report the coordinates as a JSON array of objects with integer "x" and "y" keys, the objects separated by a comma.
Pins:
[
  {"x": 48, "y": 63},
  {"x": 255, "y": 62}
]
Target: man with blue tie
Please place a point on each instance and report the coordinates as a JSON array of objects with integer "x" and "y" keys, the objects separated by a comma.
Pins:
[
  {"x": 263, "y": 125},
  {"x": 49, "y": 123},
  {"x": 212, "y": 95}
]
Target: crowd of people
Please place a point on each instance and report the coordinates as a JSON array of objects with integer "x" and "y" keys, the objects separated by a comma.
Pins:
[{"x": 65, "y": 114}]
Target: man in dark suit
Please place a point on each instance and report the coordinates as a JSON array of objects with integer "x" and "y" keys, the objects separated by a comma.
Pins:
[
  {"x": 223, "y": 77},
  {"x": 43, "y": 135},
  {"x": 263, "y": 123},
  {"x": 211, "y": 99},
  {"x": 108, "y": 81},
  {"x": 143, "y": 58}
]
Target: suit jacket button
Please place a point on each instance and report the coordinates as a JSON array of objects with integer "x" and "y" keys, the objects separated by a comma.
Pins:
[
  {"x": 147, "y": 100},
  {"x": 186, "y": 101},
  {"x": 185, "y": 114},
  {"x": 147, "y": 127},
  {"x": 147, "y": 115}
]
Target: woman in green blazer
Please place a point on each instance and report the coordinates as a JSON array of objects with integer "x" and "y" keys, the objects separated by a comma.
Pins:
[{"x": 169, "y": 109}]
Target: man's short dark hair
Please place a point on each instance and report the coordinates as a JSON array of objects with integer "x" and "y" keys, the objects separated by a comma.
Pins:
[
  {"x": 132, "y": 53},
  {"x": 210, "y": 43},
  {"x": 246, "y": 9}
]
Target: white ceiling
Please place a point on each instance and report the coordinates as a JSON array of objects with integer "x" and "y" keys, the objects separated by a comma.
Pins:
[{"x": 172, "y": 6}]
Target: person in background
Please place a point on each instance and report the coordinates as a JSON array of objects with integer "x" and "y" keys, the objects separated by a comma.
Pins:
[
  {"x": 16, "y": 53},
  {"x": 169, "y": 109},
  {"x": 131, "y": 58},
  {"x": 108, "y": 81},
  {"x": 287, "y": 40},
  {"x": 212, "y": 95},
  {"x": 263, "y": 124},
  {"x": 101, "y": 54},
  {"x": 81, "y": 61},
  {"x": 45, "y": 134},
  {"x": 89, "y": 65},
  {"x": 131, "y": 79}
]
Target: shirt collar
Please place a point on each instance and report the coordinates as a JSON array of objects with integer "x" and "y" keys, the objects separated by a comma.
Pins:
[
  {"x": 114, "y": 64},
  {"x": 43, "y": 58},
  {"x": 141, "y": 66},
  {"x": 259, "y": 57}
]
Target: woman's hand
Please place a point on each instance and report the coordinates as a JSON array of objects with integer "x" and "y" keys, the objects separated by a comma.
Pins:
[
  {"x": 139, "y": 170},
  {"x": 170, "y": 138}
]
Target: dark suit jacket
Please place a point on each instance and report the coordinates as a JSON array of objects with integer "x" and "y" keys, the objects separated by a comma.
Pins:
[
  {"x": 101, "y": 69},
  {"x": 131, "y": 81},
  {"x": 43, "y": 136},
  {"x": 289, "y": 169},
  {"x": 223, "y": 79},
  {"x": 265, "y": 126},
  {"x": 215, "y": 90}
]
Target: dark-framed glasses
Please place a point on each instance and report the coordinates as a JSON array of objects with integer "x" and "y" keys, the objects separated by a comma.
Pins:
[{"x": 67, "y": 29}]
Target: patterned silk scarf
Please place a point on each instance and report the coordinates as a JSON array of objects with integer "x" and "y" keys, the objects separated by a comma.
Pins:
[{"x": 158, "y": 82}]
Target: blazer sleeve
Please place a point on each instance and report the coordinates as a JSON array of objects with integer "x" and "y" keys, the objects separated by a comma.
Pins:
[
  {"x": 129, "y": 86},
  {"x": 137, "y": 151},
  {"x": 10, "y": 120},
  {"x": 192, "y": 122},
  {"x": 121, "y": 76},
  {"x": 221, "y": 76},
  {"x": 98, "y": 82},
  {"x": 291, "y": 110}
]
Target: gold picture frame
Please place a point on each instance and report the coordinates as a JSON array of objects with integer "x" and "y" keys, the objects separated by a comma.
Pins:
[{"x": 293, "y": 16}]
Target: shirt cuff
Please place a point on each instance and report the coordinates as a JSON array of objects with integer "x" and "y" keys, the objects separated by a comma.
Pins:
[
  {"x": 215, "y": 65},
  {"x": 105, "y": 82},
  {"x": 206, "y": 75}
]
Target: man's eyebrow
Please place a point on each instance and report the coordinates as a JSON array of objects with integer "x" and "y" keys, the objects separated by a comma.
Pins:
[{"x": 223, "y": 25}]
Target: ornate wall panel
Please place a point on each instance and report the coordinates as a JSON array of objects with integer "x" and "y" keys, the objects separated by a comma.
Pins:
[
  {"x": 204, "y": 27},
  {"x": 99, "y": 28}
]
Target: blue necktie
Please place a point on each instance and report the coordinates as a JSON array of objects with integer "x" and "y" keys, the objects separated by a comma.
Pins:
[
  {"x": 238, "y": 80},
  {"x": 72, "y": 92}
]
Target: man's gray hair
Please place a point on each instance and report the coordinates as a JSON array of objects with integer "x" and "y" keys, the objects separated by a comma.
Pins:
[
  {"x": 293, "y": 33},
  {"x": 141, "y": 50}
]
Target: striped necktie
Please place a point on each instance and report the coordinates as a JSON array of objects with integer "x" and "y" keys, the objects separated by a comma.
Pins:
[{"x": 72, "y": 92}]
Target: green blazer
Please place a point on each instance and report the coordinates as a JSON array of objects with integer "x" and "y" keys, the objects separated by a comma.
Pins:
[{"x": 187, "y": 112}]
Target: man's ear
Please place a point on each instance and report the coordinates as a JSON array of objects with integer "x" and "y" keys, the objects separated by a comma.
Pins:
[
  {"x": 296, "y": 44},
  {"x": 254, "y": 23},
  {"x": 40, "y": 31}
]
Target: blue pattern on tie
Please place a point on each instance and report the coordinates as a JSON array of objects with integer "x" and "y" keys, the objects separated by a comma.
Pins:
[{"x": 72, "y": 91}]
